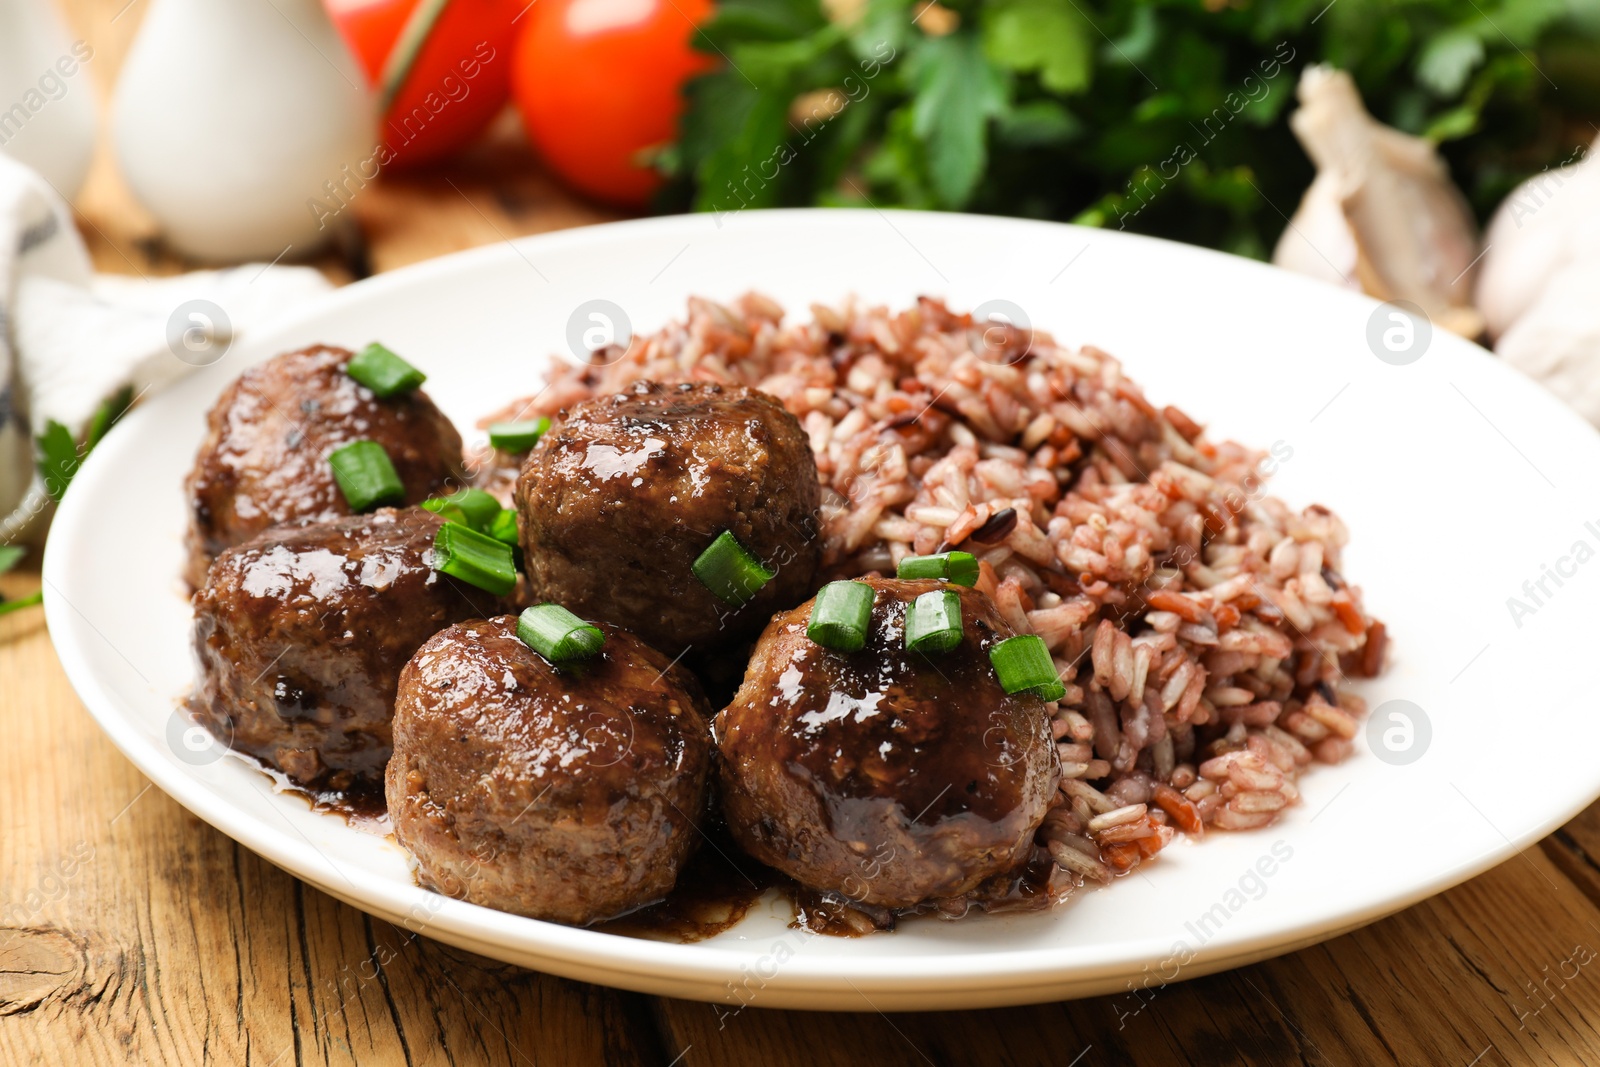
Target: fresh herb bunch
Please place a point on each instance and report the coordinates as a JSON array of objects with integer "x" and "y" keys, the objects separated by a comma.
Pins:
[{"x": 1159, "y": 116}]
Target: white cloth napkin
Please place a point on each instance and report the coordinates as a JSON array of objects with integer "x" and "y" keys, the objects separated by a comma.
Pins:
[{"x": 74, "y": 343}]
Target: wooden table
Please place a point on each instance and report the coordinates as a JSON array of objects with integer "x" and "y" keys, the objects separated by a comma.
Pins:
[{"x": 130, "y": 931}]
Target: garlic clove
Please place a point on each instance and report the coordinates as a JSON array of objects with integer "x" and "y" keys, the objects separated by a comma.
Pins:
[
  {"x": 1545, "y": 224},
  {"x": 1412, "y": 231},
  {"x": 1318, "y": 241}
]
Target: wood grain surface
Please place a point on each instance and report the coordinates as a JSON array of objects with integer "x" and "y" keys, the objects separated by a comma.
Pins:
[{"x": 131, "y": 932}]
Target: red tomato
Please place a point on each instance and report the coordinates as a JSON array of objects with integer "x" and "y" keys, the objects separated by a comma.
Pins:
[
  {"x": 599, "y": 81},
  {"x": 458, "y": 81}
]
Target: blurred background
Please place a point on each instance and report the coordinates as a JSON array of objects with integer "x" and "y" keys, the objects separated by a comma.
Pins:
[{"x": 491, "y": 118}]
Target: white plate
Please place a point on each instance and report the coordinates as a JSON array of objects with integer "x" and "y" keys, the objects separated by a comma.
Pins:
[{"x": 1459, "y": 481}]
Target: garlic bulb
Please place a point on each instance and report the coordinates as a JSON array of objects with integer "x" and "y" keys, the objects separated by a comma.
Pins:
[
  {"x": 1540, "y": 274},
  {"x": 1548, "y": 222},
  {"x": 1557, "y": 339},
  {"x": 1412, "y": 235}
]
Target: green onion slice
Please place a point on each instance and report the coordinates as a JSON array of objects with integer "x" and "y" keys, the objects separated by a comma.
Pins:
[
  {"x": 481, "y": 507},
  {"x": 470, "y": 507},
  {"x": 1024, "y": 666},
  {"x": 383, "y": 372},
  {"x": 504, "y": 527},
  {"x": 933, "y": 622},
  {"x": 365, "y": 475},
  {"x": 841, "y": 616},
  {"x": 445, "y": 510},
  {"x": 10, "y": 556},
  {"x": 557, "y": 634},
  {"x": 959, "y": 568},
  {"x": 517, "y": 436},
  {"x": 475, "y": 558},
  {"x": 730, "y": 571}
]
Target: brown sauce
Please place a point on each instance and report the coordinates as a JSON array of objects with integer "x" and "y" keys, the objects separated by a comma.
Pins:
[
  {"x": 720, "y": 884},
  {"x": 363, "y": 809},
  {"x": 716, "y": 889}
]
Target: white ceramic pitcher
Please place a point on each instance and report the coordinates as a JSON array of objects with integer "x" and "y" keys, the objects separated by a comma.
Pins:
[
  {"x": 230, "y": 119},
  {"x": 47, "y": 103}
]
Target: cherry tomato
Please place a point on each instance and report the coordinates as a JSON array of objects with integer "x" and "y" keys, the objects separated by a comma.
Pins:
[
  {"x": 457, "y": 81},
  {"x": 599, "y": 82}
]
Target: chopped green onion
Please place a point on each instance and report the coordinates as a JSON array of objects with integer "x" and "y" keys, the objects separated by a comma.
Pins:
[
  {"x": 933, "y": 621},
  {"x": 383, "y": 372},
  {"x": 365, "y": 475},
  {"x": 10, "y": 556},
  {"x": 445, "y": 510},
  {"x": 8, "y": 606},
  {"x": 1024, "y": 666},
  {"x": 481, "y": 507},
  {"x": 475, "y": 558},
  {"x": 960, "y": 568},
  {"x": 518, "y": 436},
  {"x": 729, "y": 570},
  {"x": 504, "y": 527},
  {"x": 557, "y": 634},
  {"x": 841, "y": 615},
  {"x": 470, "y": 507}
]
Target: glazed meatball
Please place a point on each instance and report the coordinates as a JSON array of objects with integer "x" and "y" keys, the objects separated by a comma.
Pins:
[
  {"x": 886, "y": 776},
  {"x": 619, "y": 502},
  {"x": 569, "y": 794},
  {"x": 264, "y": 459},
  {"x": 302, "y": 632}
]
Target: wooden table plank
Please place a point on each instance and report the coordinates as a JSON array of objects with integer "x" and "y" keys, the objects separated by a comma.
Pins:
[
  {"x": 493, "y": 192},
  {"x": 1451, "y": 981}
]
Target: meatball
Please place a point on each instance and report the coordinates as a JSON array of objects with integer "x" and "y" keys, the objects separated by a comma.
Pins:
[
  {"x": 571, "y": 794},
  {"x": 302, "y": 632},
  {"x": 264, "y": 459},
  {"x": 619, "y": 502},
  {"x": 887, "y": 776}
]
